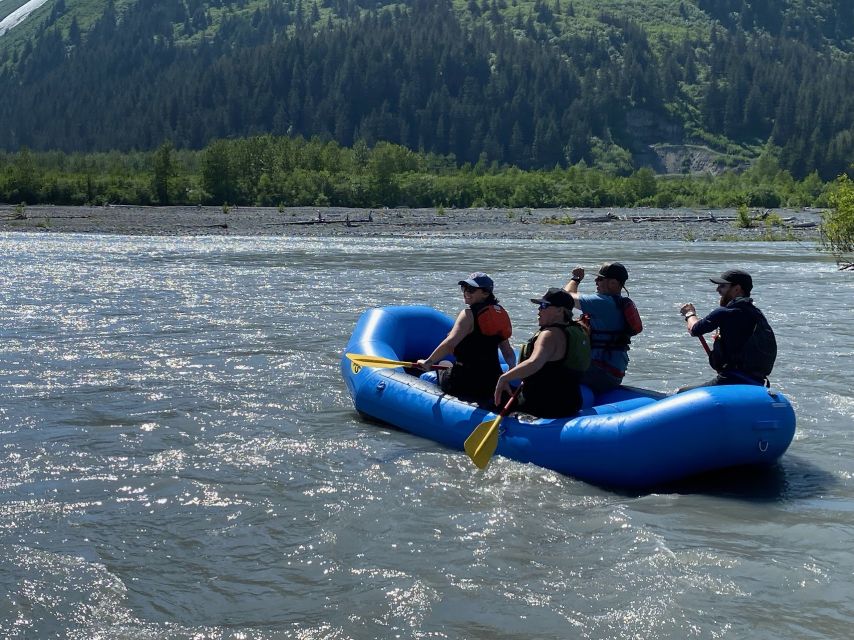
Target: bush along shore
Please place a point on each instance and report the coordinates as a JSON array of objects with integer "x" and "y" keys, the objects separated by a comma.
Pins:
[
  {"x": 283, "y": 172},
  {"x": 511, "y": 223}
]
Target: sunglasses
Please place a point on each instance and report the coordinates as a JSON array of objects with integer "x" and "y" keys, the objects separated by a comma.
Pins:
[
  {"x": 467, "y": 288},
  {"x": 598, "y": 278},
  {"x": 544, "y": 305}
]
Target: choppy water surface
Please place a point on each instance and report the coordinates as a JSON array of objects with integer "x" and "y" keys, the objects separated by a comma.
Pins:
[{"x": 179, "y": 457}]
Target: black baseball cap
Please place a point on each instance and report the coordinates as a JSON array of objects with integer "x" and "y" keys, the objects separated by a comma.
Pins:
[
  {"x": 557, "y": 298},
  {"x": 614, "y": 270},
  {"x": 735, "y": 276}
]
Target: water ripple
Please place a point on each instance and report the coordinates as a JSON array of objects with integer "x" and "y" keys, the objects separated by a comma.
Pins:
[{"x": 179, "y": 458}]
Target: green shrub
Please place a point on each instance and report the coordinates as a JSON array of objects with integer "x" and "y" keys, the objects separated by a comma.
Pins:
[
  {"x": 837, "y": 227},
  {"x": 763, "y": 197},
  {"x": 742, "y": 220},
  {"x": 561, "y": 220},
  {"x": 773, "y": 220}
]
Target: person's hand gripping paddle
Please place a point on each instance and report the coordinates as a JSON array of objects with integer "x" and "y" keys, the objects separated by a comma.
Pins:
[
  {"x": 383, "y": 363},
  {"x": 483, "y": 441}
]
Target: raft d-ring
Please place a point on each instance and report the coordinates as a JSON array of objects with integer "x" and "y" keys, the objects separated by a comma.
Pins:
[
  {"x": 763, "y": 446},
  {"x": 355, "y": 368},
  {"x": 381, "y": 386}
]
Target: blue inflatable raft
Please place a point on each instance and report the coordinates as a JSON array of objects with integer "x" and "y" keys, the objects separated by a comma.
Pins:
[{"x": 628, "y": 437}]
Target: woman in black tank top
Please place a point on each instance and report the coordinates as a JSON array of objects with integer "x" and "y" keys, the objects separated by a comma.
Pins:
[{"x": 480, "y": 330}]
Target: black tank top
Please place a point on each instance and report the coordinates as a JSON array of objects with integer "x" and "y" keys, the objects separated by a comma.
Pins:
[
  {"x": 476, "y": 371},
  {"x": 553, "y": 391}
]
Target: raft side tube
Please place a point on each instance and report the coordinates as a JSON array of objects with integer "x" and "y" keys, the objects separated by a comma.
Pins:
[
  {"x": 684, "y": 434},
  {"x": 378, "y": 333}
]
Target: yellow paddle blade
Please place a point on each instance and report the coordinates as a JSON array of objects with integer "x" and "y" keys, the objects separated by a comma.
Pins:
[
  {"x": 376, "y": 362},
  {"x": 482, "y": 442}
]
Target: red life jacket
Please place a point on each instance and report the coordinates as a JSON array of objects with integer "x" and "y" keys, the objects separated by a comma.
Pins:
[{"x": 491, "y": 328}]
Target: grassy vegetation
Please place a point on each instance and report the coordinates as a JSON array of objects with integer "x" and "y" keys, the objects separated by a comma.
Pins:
[
  {"x": 662, "y": 19},
  {"x": 559, "y": 220},
  {"x": 10, "y": 6},
  {"x": 87, "y": 12}
]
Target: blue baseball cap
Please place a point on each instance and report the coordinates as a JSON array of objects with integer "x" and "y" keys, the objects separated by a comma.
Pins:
[{"x": 479, "y": 280}]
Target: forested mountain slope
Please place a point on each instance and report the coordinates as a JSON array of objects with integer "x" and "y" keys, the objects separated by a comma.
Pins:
[{"x": 530, "y": 83}]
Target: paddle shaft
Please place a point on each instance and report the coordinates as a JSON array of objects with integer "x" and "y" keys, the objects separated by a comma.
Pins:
[
  {"x": 489, "y": 439},
  {"x": 741, "y": 376},
  {"x": 702, "y": 338},
  {"x": 506, "y": 409},
  {"x": 380, "y": 362}
]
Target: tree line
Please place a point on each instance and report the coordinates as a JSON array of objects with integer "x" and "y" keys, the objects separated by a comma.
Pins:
[
  {"x": 509, "y": 85},
  {"x": 284, "y": 171},
  {"x": 814, "y": 23}
]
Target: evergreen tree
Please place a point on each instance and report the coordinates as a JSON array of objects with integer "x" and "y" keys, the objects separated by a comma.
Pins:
[
  {"x": 163, "y": 172},
  {"x": 217, "y": 177}
]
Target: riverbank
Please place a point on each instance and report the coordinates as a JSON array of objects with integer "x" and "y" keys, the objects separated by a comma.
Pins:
[{"x": 580, "y": 223}]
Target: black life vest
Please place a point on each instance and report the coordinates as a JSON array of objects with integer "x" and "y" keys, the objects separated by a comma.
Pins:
[
  {"x": 619, "y": 339},
  {"x": 477, "y": 368},
  {"x": 554, "y": 390},
  {"x": 491, "y": 327},
  {"x": 756, "y": 356}
]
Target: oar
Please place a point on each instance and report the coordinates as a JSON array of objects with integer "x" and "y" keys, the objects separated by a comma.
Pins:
[
  {"x": 483, "y": 441},
  {"x": 384, "y": 363}
]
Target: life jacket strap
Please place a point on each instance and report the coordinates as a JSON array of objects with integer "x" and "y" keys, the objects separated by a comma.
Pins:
[{"x": 608, "y": 368}]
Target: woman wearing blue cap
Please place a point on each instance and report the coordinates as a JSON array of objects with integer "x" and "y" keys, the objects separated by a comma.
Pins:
[{"x": 480, "y": 330}]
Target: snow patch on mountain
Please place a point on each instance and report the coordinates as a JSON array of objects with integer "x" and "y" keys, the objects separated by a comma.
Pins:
[{"x": 19, "y": 15}]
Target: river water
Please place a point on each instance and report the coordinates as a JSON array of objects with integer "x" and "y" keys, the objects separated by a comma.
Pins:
[{"x": 179, "y": 457}]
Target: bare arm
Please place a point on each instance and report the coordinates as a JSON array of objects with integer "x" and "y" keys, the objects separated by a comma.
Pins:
[
  {"x": 571, "y": 287},
  {"x": 463, "y": 326},
  {"x": 546, "y": 347},
  {"x": 508, "y": 353}
]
